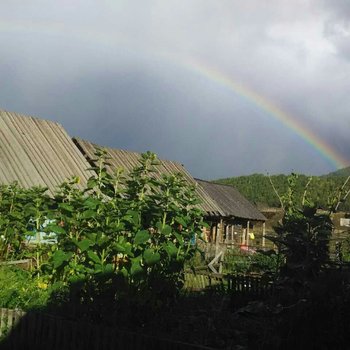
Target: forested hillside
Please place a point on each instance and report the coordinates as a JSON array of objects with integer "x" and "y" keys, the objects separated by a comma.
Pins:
[
  {"x": 340, "y": 172},
  {"x": 258, "y": 189}
]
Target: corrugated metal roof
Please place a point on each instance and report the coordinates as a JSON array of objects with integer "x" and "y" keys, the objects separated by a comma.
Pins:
[
  {"x": 128, "y": 160},
  {"x": 36, "y": 152},
  {"x": 231, "y": 202}
]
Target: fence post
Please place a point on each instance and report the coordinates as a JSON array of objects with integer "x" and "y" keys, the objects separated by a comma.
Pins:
[{"x": 3, "y": 321}]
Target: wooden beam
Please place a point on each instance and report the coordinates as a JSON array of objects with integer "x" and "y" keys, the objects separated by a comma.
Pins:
[
  {"x": 222, "y": 225},
  {"x": 263, "y": 234},
  {"x": 219, "y": 232},
  {"x": 248, "y": 222},
  {"x": 214, "y": 261},
  {"x": 213, "y": 233}
]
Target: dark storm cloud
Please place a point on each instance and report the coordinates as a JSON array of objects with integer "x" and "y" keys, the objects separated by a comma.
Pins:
[
  {"x": 339, "y": 8},
  {"x": 337, "y": 26},
  {"x": 111, "y": 71}
]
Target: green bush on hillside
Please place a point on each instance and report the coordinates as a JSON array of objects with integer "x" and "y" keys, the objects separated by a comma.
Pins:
[{"x": 257, "y": 188}]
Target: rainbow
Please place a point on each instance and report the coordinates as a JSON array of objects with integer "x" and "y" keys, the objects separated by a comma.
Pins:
[{"x": 328, "y": 152}]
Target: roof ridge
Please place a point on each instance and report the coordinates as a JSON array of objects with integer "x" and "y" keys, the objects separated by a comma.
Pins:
[
  {"x": 125, "y": 150},
  {"x": 215, "y": 183},
  {"x": 21, "y": 115}
]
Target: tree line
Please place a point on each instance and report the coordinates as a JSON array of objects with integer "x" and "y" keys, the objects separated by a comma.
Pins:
[{"x": 258, "y": 189}]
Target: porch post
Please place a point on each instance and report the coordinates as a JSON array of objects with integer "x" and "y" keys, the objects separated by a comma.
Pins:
[
  {"x": 219, "y": 233},
  {"x": 263, "y": 235},
  {"x": 248, "y": 222}
]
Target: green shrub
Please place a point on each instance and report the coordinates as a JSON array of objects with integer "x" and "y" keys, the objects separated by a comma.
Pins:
[
  {"x": 266, "y": 262},
  {"x": 138, "y": 230},
  {"x": 237, "y": 262},
  {"x": 20, "y": 289}
]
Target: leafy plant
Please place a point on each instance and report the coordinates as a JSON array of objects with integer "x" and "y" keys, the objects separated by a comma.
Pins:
[
  {"x": 22, "y": 214},
  {"x": 133, "y": 232},
  {"x": 139, "y": 230},
  {"x": 19, "y": 289},
  {"x": 237, "y": 262},
  {"x": 303, "y": 236}
]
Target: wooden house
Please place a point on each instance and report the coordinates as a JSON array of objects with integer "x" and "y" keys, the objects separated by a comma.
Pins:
[
  {"x": 231, "y": 216},
  {"x": 240, "y": 223},
  {"x": 36, "y": 152}
]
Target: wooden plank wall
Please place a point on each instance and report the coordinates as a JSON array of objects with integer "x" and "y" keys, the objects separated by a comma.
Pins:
[{"x": 42, "y": 331}]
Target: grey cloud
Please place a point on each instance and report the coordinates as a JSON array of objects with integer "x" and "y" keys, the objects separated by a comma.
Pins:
[
  {"x": 111, "y": 72},
  {"x": 337, "y": 26}
]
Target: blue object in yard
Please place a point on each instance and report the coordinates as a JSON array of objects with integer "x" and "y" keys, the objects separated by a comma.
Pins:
[
  {"x": 42, "y": 237},
  {"x": 193, "y": 239}
]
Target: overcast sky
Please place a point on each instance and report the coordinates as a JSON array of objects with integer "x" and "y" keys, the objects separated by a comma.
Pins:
[{"x": 116, "y": 73}]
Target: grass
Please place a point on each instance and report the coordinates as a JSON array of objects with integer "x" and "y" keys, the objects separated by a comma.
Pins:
[{"x": 19, "y": 289}]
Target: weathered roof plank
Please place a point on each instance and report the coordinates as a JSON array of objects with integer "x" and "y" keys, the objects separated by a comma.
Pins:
[
  {"x": 128, "y": 160},
  {"x": 231, "y": 202},
  {"x": 37, "y": 152}
]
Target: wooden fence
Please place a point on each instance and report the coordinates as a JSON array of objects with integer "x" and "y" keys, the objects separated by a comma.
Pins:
[
  {"x": 20, "y": 330},
  {"x": 199, "y": 281},
  {"x": 25, "y": 264},
  {"x": 254, "y": 286},
  {"x": 34, "y": 330},
  {"x": 9, "y": 319}
]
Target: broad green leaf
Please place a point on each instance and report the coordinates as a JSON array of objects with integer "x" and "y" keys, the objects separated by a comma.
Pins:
[
  {"x": 91, "y": 203},
  {"x": 55, "y": 229},
  {"x": 206, "y": 225},
  {"x": 119, "y": 248},
  {"x": 101, "y": 240},
  {"x": 123, "y": 247},
  {"x": 109, "y": 268},
  {"x": 136, "y": 268},
  {"x": 124, "y": 272},
  {"x": 179, "y": 238},
  {"x": 151, "y": 257},
  {"x": 181, "y": 221},
  {"x": 84, "y": 244},
  {"x": 166, "y": 230},
  {"x": 98, "y": 268},
  {"x": 170, "y": 248},
  {"x": 141, "y": 237},
  {"x": 66, "y": 207},
  {"x": 92, "y": 182},
  {"x": 132, "y": 216},
  {"x": 88, "y": 214},
  {"x": 92, "y": 236},
  {"x": 94, "y": 257},
  {"x": 128, "y": 249},
  {"x": 59, "y": 257},
  {"x": 30, "y": 233},
  {"x": 77, "y": 278}
]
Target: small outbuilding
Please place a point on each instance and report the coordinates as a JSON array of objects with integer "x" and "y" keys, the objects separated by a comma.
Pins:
[{"x": 241, "y": 223}]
